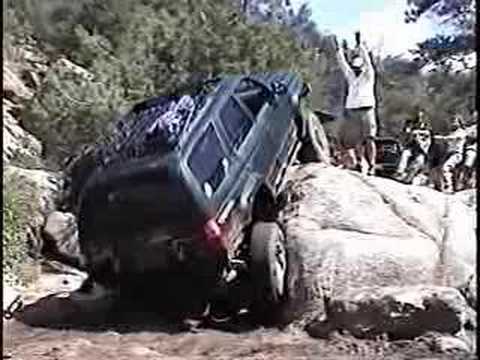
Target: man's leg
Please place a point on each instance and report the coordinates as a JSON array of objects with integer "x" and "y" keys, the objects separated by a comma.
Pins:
[
  {"x": 461, "y": 176},
  {"x": 418, "y": 164},
  {"x": 448, "y": 171},
  {"x": 370, "y": 147},
  {"x": 360, "y": 159},
  {"x": 350, "y": 159},
  {"x": 402, "y": 165},
  {"x": 468, "y": 168},
  {"x": 371, "y": 151}
]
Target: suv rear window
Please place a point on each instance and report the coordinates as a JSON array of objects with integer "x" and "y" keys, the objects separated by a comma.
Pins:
[
  {"x": 207, "y": 161},
  {"x": 236, "y": 122}
]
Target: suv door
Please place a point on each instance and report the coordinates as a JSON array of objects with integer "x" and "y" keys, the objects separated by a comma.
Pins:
[
  {"x": 247, "y": 141},
  {"x": 208, "y": 162}
]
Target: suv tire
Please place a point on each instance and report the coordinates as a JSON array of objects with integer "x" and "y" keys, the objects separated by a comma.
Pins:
[{"x": 268, "y": 256}]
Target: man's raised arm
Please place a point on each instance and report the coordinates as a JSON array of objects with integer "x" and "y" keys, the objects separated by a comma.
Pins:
[
  {"x": 342, "y": 61},
  {"x": 367, "y": 60}
]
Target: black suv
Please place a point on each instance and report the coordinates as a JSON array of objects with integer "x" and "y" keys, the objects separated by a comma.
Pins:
[{"x": 193, "y": 185}]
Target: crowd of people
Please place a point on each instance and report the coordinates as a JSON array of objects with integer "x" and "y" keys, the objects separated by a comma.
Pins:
[{"x": 447, "y": 162}]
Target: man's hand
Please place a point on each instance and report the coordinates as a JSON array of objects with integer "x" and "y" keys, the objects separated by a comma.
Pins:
[
  {"x": 357, "y": 38},
  {"x": 334, "y": 42}
]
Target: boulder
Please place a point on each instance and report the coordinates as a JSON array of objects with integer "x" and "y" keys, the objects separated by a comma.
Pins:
[
  {"x": 60, "y": 234},
  {"x": 18, "y": 144},
  {"x": 400, "y": 312},
  {"x": 13, "y": 87},
  {"x": 73, "y": 68},
  {"x": 449, "y": 344},
  {"x": 353, "y": 232},
  {"x": 9, "y": 295}
]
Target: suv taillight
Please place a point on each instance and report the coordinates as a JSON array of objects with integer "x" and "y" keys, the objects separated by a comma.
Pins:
[{"x": 214, "y": 237}]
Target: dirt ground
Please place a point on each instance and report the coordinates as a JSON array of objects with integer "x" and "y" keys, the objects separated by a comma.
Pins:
[
  {"x": 147, "y": 339},
  {"x": 136, "y": 334}
]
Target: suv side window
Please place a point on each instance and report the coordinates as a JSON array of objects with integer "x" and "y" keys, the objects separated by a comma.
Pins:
[
  {"x": 254, "y": 100},
  {"x": 252, "y": 95},
  {"x": 236, "y": 122},
  {"x": 208, "y": 161}
]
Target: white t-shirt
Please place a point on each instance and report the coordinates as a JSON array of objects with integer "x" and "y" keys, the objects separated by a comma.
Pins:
[
  {"x": 360, "y": 88},
  {"x": 456, "y": 141}
]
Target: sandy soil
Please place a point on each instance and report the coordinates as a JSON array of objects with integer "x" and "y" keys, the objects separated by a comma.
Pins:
[
  {"x": 134, "y": 334},
  {"x": 147, "y": 337}
]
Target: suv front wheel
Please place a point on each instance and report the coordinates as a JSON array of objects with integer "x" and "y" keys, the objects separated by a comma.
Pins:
[{"x": 268, "y": 256}]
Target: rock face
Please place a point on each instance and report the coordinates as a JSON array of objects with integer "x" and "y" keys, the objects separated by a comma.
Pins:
[
  {"x": 354, "y": 233},
  {"x": 400, "y": 312},
  {"x": 17, "y": 143},
  {"x": 13, "y": 87},
  {"x": 60, "y": 234}
]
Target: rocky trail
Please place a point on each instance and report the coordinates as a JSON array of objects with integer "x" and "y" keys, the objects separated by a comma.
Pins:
[
  {"x": 385, "y": 271},
  {"x": 147, "y": 336},
  {"x": 27, "y": 343},
  {"x": 395, "y": 263}
]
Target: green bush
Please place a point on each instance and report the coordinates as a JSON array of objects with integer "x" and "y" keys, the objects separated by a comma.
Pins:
[{"x": 14, "y": 235}]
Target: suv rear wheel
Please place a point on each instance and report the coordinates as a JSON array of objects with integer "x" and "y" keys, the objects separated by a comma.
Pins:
[{"x": 268, "y": 256}]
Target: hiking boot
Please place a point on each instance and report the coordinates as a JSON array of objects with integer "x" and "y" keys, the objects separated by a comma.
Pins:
[{"x": 398, "y": 176}]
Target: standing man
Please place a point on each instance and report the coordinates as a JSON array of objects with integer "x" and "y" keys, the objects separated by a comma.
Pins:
[
  {"x": 454, "y": 155},
  {"x": 417, "y": 141},
  {"x": 360, "y": 127},
  {"x": 468, "y": 167}
]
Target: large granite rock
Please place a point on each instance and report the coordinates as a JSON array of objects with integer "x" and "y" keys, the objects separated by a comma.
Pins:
[
  {"x": 18, "y": 144},
  {"x": 60, "y": 234},
  {"x": 352, "y": 232},
  {"x": 401, "y": 312}
]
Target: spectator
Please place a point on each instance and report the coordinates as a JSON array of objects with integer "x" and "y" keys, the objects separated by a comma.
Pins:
[
  {"x": 455, "y": 143},
  {"x": 467, "y": 169},
  {"x": 418, "y": 139},
  {"x": 360, "y": 127}
]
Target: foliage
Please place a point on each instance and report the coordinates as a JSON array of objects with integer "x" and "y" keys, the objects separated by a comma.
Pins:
[
  {"x": 458, "y": 16},
  {"x": 16, "y": 208},
  {"x": 138, "y": 49},
  {"x": 281, "y": 12},
  {"x": 402, "y": 87},
  {"x": 406, "y": 88}
]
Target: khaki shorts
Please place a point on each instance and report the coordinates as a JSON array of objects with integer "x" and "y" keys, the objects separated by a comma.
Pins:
[{"x": 357, "y": 127}]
